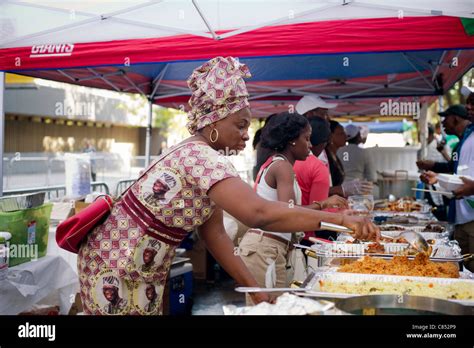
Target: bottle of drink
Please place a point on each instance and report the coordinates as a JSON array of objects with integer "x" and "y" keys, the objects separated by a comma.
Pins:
[{"x": 419, "y": 194}]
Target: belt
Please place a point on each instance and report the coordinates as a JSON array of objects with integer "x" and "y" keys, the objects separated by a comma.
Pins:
[
  {"x": 151, "y": 225},
  {"x": 272, "y": 236}
]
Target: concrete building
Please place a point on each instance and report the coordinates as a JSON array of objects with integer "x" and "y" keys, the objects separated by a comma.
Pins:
[{"x": 47, "y": 116}]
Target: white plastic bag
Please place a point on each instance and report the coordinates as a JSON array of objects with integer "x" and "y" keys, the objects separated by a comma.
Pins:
[{"x": 270, "y": 274}]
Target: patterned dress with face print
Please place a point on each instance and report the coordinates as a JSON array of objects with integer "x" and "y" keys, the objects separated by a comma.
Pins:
[{"x": 152, "y": 218}]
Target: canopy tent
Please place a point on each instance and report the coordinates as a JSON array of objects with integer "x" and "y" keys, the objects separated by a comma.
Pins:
[{"x": 343, "y": 50}]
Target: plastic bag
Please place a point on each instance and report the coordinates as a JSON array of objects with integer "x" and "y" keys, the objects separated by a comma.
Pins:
[{"x": 357, "y": 187}]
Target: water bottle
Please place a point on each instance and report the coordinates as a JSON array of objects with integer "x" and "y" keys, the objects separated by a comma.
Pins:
[
  {"x": 217, "y": 272},
  {"x": 419, "y": 195}
]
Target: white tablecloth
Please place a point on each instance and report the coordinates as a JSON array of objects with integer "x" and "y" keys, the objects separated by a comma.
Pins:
[
  {"x": 55, "y": 250},
  {"x": 49, "y": 280}
]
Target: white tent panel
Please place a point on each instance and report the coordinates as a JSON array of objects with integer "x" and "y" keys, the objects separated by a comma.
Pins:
[
  {"x": 18, "y": 21},
  {"x": 25, "y": 23},
  {"x": 100, "y": 31}
]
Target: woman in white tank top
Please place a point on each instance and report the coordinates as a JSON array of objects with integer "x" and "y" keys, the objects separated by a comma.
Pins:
[{"x": 266, "y": 253}]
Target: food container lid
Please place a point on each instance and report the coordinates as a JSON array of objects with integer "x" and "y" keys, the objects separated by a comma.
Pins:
[{"x": 4, "y": 236}]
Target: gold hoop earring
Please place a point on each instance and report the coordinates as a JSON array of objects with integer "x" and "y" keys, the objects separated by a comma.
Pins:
[{"x": 217, "y": 135}]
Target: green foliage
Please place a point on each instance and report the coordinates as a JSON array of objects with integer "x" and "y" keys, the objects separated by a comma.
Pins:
[{"x": 162, "y": 118}]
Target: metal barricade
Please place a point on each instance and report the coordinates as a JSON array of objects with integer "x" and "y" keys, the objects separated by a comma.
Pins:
[
  {"x": 56, "y": 192},
  {"x": 122, "y": 185},
  {"x": 100, "y": 186},
  {"x": 52, "y": 192}
]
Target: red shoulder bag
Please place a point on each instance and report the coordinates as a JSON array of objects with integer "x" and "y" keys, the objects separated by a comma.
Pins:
[{"x": 71, "y": 232}]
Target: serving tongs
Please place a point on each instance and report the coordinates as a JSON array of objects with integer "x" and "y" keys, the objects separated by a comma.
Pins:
[
  {"x": 307, "y": 285},
  {"x": 415, "y": 239}
]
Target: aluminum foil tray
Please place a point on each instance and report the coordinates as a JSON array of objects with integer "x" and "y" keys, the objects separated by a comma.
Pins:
[
  {"x": 20, "y": 202},
  {"x": 466, "y": 281},
  {"x": 415, "y": 228},
  {"x": 438, "y": 238},
  {"x": 442, "y": 252},
  {"x": 416, "y": 215}
]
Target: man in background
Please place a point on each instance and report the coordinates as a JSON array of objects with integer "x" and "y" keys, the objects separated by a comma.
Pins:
[
  {"x": 468, "y": 92},
  {"x": 356, "y": 160},
  {"x": 456, "y": 120},
  {"x": 314, "y": 106}
]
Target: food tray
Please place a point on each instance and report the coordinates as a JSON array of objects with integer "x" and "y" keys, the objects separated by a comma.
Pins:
[
  {"x": 415, "y": 228},
  {"x": 332, "y": 275},
  {"x": 415, "y": 215},
  {"x": 443, "y": 252},
  {"x": 438, "y": 238},
  {"x": 20, "y": 202}
]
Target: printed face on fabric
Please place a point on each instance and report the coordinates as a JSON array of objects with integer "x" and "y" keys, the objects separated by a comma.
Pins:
[
  {"x": 113, "y": 297},
  {"x": 148, "y": 298},
  {"x": 149, "y": 255},
  {"x": 162, "y": 186},
  {"x": 134, "y": 248}
]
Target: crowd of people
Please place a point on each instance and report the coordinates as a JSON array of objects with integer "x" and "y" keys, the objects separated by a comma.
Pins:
[
  {"x": 307, "y": 165},
  {"x": 201, "y": 184},
  {"x": 457, "y": 120}
]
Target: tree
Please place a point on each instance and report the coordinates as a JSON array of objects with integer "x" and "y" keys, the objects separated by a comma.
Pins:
[{"x": 453, "y": 95}]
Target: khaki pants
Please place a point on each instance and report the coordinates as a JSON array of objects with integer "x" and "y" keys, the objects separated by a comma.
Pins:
[
  {"x": 258, "y": 252},
  {"x": 464, "y": 234}
]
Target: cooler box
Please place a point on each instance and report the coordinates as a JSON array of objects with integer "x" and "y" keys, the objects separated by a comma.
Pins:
[
  {"x": 29, "y": 229},
  {"x": 180, "y": 285}
]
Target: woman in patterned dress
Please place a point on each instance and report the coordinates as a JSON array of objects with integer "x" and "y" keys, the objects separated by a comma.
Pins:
[{"x": 188, "y": 189}]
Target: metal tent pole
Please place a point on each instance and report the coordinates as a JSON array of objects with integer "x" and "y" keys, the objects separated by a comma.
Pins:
[
  {"x": 423, "y": 129},
  {"x": 2, "y": 127},
  {"x": 148, "y": 133}
]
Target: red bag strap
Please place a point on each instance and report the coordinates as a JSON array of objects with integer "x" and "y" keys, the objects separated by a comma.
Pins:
[{"x": 262, "y": 169}]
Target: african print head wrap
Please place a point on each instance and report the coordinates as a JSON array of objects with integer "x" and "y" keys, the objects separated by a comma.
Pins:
[{"x": 218, "y": 90}]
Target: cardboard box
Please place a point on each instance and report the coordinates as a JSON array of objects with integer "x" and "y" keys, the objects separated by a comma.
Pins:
[
  {"x": 79, "y": 205},
  {"x": 76, "y": 306},
  {"x": 61, "y": 211},
  {"x": 198, "y": 256}
]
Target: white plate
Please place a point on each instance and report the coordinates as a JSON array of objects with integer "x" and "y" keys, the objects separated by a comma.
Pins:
[{"x": 451, "y": 182}]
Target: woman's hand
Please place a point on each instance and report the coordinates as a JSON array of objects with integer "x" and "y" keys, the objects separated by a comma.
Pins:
[
  {"x": 429, "y": 178},
  {"x": 363, "y": 228},
  {"x": 335, "y": 202},
  {"x": 465, "y": 190},
  {"x": 258, "y": 297}
]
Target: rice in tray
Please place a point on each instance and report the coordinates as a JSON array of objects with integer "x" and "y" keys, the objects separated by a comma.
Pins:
[
  {"x": 454, "y": 291},
  {"x": 421, "y": 266}
]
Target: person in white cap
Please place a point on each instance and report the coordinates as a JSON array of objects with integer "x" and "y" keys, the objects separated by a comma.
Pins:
[
  {"x": 364, "y": 133},
  {"x": 310, "y": 106},
  {"x": 356, "y": 161},
  {"x": 314, "y": 106},
  {"x": 110, "y": 289},
  {"x": 468, "y": 92}
]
